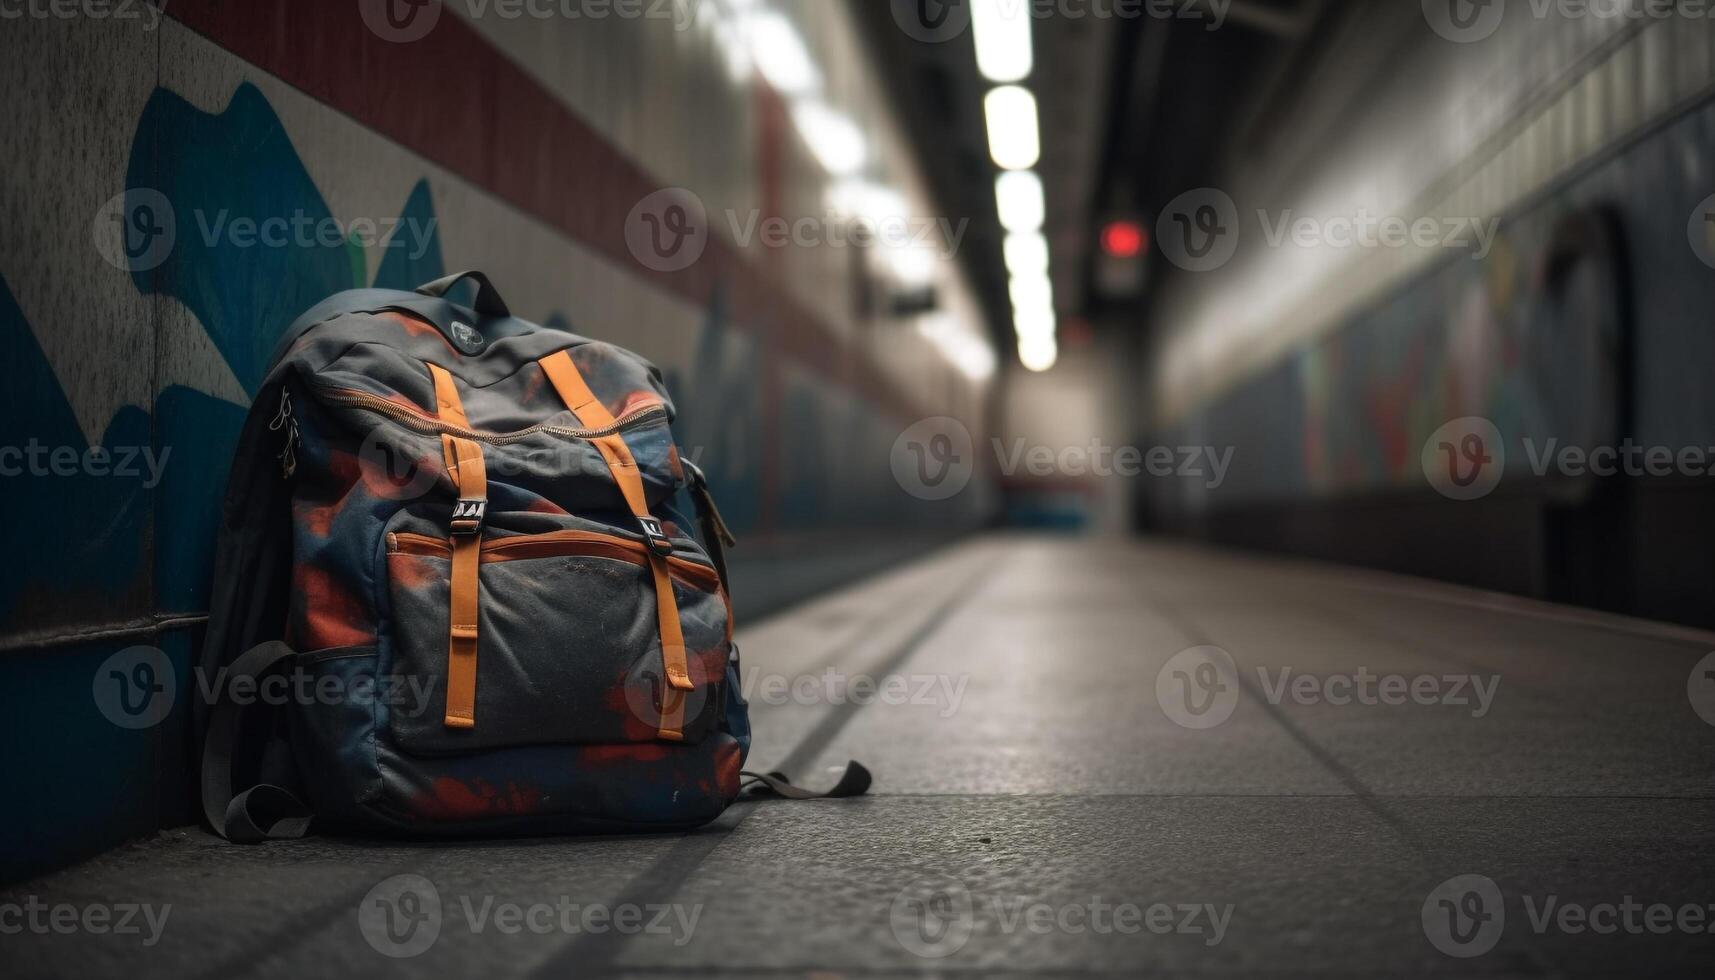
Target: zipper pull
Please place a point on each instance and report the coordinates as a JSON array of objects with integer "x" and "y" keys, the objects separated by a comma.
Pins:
[{"x": 285, "y": 421}]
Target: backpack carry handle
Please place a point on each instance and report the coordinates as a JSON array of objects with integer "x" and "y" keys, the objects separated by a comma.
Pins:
[{"x": 488, "y": 301}]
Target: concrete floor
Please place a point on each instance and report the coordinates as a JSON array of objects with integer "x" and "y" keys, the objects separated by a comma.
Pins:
[{"x": 1038, "y": 809}]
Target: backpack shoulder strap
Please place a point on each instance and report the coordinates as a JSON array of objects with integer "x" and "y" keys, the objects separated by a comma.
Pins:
[{"x": 264, "y": 811}]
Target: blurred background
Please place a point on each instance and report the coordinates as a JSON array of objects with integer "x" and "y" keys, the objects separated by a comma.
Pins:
[{"x": 1419, "y": 287}]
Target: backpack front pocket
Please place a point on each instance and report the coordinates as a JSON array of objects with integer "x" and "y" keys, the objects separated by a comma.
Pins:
[{"x": 568, "y": 647}]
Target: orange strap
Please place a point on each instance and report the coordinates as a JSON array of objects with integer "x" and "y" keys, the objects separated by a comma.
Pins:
[
  {"x": 470, "y": 473},
  {"x": 563, "y": 374}
]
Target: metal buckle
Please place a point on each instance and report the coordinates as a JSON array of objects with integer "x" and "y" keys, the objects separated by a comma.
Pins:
[
  {"x": 657, "y": 535},
  {"x": 468, "y": 515}
]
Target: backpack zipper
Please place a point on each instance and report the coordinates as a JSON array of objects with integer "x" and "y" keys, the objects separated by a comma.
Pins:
[
  {"x": 286, "y": 423},
  {"x": 419, "y": 422}
]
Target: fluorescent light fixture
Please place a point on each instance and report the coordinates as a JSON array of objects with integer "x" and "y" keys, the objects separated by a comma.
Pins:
[
  {"x": 1018, "y": 196},
  {"x": 1014, "y": 140},
  {"x": 779, "y": 53},
  {"x": 1038, "y": 353},
  {"x": 1001, "y": 29},
  {"x": 832, "y": 136},
  {"x": 1034, "y": 323},
  {"x": 1027, "y": 254},
  {"x": 1032, "y": 293}
]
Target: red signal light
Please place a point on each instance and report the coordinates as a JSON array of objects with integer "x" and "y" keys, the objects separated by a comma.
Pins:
[{"x": 1124, "y": 239}]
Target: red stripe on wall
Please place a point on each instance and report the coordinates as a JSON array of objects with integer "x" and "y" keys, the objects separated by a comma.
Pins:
[{"x": 458, "y": 101}]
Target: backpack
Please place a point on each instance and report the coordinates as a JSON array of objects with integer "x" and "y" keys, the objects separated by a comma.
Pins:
[{"x": 453, "y": 594}]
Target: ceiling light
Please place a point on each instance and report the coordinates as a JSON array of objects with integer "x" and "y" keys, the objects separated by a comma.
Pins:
[
  {"x": 1001, "y": 29},
  {"x": 1014, "y": 141},
  {"x": 1027, "y": 254},
  {"x": 1038, "y": 353},
  {"x": 1018, "y": 196},
  {"x": 1034, "y": 323},
  {"x": 1032, "y": 293}
]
